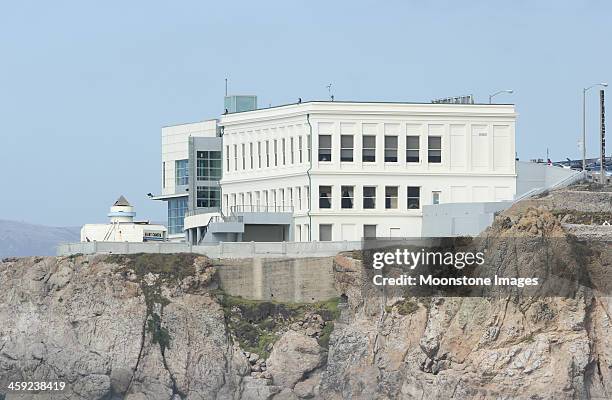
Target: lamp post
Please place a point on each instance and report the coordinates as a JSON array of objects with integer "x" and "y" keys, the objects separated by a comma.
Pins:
[
  {"x": 509, "y": 91},
  {"x": 584, "y": 90}
]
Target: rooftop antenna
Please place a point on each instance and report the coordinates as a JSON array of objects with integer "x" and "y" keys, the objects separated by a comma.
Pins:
[
  {"x": 331, "y": 96},
  {"x": 225, "y": 87}
]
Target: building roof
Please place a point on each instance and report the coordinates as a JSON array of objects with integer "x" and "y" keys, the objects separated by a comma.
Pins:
[{"x": 122, "y": 201}]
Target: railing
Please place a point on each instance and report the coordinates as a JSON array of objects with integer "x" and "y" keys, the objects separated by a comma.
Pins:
[
  {"x": 260, "y": 208},
  {"x": 562, "y": 183}
]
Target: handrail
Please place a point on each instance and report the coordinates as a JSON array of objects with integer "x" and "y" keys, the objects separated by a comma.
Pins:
[{"x": 260, "y": 208}]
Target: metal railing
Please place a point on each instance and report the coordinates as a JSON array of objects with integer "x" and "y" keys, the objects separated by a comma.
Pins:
[{"x": 261, "y": 208}]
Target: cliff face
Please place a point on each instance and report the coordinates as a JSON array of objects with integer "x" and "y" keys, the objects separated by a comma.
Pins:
[{"x": 157, "y": 327}]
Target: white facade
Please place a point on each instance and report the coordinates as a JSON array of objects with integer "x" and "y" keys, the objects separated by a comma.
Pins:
[
  {"x": 122, "y": 227},
  {"x": 267, "y": 163}
]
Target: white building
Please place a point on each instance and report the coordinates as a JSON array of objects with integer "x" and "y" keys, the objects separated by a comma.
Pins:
[
  {"x": 122, "y": 227},
  {"x": 343, "y": 170}
]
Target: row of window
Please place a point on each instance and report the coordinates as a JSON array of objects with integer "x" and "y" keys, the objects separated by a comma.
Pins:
[
  {"x": 278, "y": 199},
  {"x": 347, "y": 199},
  {"x": 325, "y": 232},
  {"x": 368, "y": 148},
  {"x": 268, "y": 153}
]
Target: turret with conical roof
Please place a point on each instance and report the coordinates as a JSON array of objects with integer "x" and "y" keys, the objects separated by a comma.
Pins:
[{"x": 121, "y": 211}]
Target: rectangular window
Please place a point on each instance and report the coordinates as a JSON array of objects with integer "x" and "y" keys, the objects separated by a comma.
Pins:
[
  {"x": 227, "y": 158},
  {"x": 369, "y": 231},
  {"x": 283, "y": 149},
  {"x": 300, "y": 149},
  {"x": 243, "y": 157},
  {"x": 368, "y": 148},
  {"x": 309, "y": 149},
  {"x": 434, "y": 152},
  {"x": 348, "y": 196},
  {"x": 414, "y": 197},
  {"x": 182, "y": 172},
  {"x": 163, "y": 175},
  {"x": 267, "y": 153},
  {"x": 275, "y": 152},
  {"x": 435, "y": 197},
  {"x": 208, "y": 165},
  {"x": 208, "y": 196},
  {"x": 325, "y": 148},
  {"x": 235, "y": 157},
  {"x": 346, "y": 148},
  {"x": 412, "y": 149},
  {"x": 325, "y": 196},
  {"x": 290, "y": 196},
  {"x": 391, "y": 197},
  {"x": 177, "y": 207},
  {"x": 291, "y": 150},
  {"x": 369, "y": 197},
  {"x": 258, "y": 154},
  {"x": 325, "y": 232},
  {"x": 390, "y": 148},
  {"x": 251, "y": 155},
  {"x": 299, "y": 197}
]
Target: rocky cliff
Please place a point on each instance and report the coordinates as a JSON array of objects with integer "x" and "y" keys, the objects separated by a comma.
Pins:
[{"x": 157, "y": 327}]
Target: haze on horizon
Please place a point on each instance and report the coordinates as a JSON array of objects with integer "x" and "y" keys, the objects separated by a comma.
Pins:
[{"x": 86, "y": 88}]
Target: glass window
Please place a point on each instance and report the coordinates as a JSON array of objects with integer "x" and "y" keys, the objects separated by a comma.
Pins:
[
  {"x": 235, "y": 157},
  {"x": 369, "y": 197},
  {"x": 325, "y": 196},
  {"x": 435, "y": 197},
  {"x": 227, "y": 158},
  {"x": 300, "y": 149},
  {"x": 390, "y": 148},
  {"x": 177, "y": 207},
  {"x": 182, "y": 172},
  {"x": 369, "y": 148},
  {"x": 283, "y": 150},
  {"x": 208, "y": 196},
  {"x": 434, "y": 153},
  {"x": 243, "y": 157},
  {"x": 308, "y": 144},
  {"x": 414, "y": 197},
  {"x": 258, "y": 154},
  {"x": 275, "y": 152},
  {"x": 346, "y": 148},
  {"x": 347, "y": 196},
  {"x": 391, "y": 197},
  {"x": 325, "y": 148},
  {"x": 208, "y": 166},
  {"x": 291, "y": 150},
  {"x": 163, "y": 174},
  {"x": 325, "y": 232},
  {"x": 299, "y": 197},
  {"x": 267, "y": 153},
  {"x": 251, "y": 155},
  {"x": 369, "y": 231},
  {"x": 412, "y": 149}
]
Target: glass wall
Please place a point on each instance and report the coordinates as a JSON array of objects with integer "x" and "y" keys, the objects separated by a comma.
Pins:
[
  {"x": 177, "y": 207},
  {"x": 208, "y": 196},
  {"x": 208, "y": 165},
  {"x": 182, "y": 172}
]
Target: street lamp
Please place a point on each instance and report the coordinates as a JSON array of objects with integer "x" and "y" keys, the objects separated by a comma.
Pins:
[
  {"x": 509, "y": 91},
  {"x": 604, "y": 84}
]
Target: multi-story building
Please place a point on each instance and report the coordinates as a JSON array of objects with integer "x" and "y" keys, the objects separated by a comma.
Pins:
[{"x": 341, "y": 170}]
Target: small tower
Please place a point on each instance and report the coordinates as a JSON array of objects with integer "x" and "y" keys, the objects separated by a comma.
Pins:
[{"x": 121, "y": 211}]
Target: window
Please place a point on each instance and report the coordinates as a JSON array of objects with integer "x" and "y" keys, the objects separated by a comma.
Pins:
[
  {"x": 414, "y": 197},
  {"x": 235, "y": 157},
  {"x": 369, "y": 197},
  {"x": 369, "y": 231},
  {"x": 325, "y": 196},
  {"x": 308, "y": 144},
  {"x": 434, "y": 153},
  {"x": 390, "y": 148},
  {"x": 243, "y": 157},
  {"x": 346, "y": 148},
  {"x": 412, "y": 149},
  {"x": 290, "y": 196},
  {"x": 325, "y": 148},
  {"x": 347, "y": 196},
  {"x": 300, "y": 149},
  {"x": 291, "y": 150},
  {"x": 325, "y": 232},
  {"x": 227, "y": 158},
  {"x": 267, "y": 153},
  {"x": 258, "y": 154},
  {"x": 369, "y": 148},
  {"x": 251, "y": 155},
  {"x": 275, "y": 152},
  {"x": 298, "y": 193},
  {"x": 182, "y": 172},
  {"x": 208, "y": 196},
  {"x": 163, "y": 175},
  {"x": 208, "y": 165},
  {"x": 435, "y": 197},
  {"x": 176, "y": 214},
  {"x": 283, "y": 149},
  {"x": 390, "y": 197}
]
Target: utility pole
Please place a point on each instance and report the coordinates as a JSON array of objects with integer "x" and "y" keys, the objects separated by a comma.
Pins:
[{"x": 602, "y": 167}]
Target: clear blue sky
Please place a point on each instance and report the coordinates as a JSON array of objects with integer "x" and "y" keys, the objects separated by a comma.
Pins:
[{"x": 86, "y": 86}]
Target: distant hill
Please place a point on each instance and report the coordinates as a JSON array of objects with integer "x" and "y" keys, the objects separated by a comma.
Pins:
[{"x": 18, "y": 239}]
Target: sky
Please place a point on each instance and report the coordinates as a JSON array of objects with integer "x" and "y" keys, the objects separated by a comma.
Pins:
[{"x": 85, "y": 87}]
